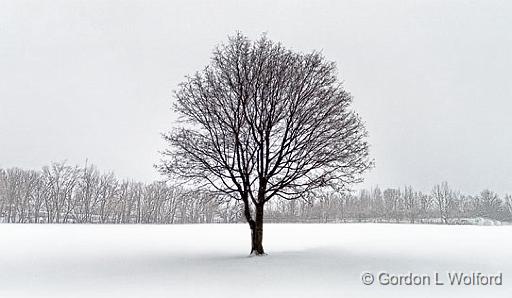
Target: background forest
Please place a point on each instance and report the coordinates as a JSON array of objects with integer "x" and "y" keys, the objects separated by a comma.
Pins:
[{"x": 61, "y": 193}]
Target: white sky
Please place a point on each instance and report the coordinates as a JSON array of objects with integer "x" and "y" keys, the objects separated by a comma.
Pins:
[{"x": 93, "y": 79}]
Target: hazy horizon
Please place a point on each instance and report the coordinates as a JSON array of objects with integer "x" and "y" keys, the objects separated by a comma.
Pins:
[{"x": 93, "y": 80}]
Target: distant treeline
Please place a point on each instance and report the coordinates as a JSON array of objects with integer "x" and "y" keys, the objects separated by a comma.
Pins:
[{"x": 71, "y": 194}]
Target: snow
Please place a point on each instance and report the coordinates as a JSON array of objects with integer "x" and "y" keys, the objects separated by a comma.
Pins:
[{"x": 304, "y": 260}]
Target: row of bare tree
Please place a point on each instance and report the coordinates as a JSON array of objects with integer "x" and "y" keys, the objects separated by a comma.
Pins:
[
  {"x": 441, "y": 205},
  {"x": 70, "y": 194},
  {"x": 65, "y": 194}
]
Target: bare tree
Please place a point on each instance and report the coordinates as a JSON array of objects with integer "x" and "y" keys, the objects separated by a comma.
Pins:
[
  {"x": 85, "y": 194},
  {"x": 490, "y": 204},
  {"x": 378, "y": 207},
  {"x": 392, "y": 201},
  {"x": 507, "y": 207},
  {"x": 262, "y": 122},
  {"x": 411, "y": 203},
  {"x": 14, "y": 189},
  {"x": 426, "y": 203},
  {"x": 37, "y": 198},
  {"x": 444, "y": 198}
]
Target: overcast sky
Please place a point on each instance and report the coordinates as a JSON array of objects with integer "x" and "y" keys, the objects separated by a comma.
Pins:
[{"x": 93, "y": 79}]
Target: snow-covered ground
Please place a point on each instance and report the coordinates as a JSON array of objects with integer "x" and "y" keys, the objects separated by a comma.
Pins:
[{"x": 305, "y": 260}]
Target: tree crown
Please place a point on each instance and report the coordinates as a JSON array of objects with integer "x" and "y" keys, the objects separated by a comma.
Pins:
[{"x": 262, "y": 121}]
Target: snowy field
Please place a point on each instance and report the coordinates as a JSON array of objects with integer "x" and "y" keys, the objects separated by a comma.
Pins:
[{"x": 314, "y": 260}]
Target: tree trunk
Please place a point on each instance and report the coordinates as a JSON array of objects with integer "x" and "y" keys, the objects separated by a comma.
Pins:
[{"x": 257, "y": 232}]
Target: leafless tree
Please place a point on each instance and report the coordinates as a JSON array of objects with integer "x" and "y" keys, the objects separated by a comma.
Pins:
[
  {"x": 411, "y": 203},
  {"x": 86, "y": 195},
  {"x": 37, "y": 198},
  {"x": 444, "y": 198},
  {"x": 262, "y": 122},
  {"x": 393, "y": 205},
  {"x": 426, "y": 203},
  {"x": 378, "y": 207},
  {"x": 490, "y": 204},
  {"x": 13, "y": 189},
  {"x": 61, "y": 181},
  {"x": 507, "y": 206}
]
